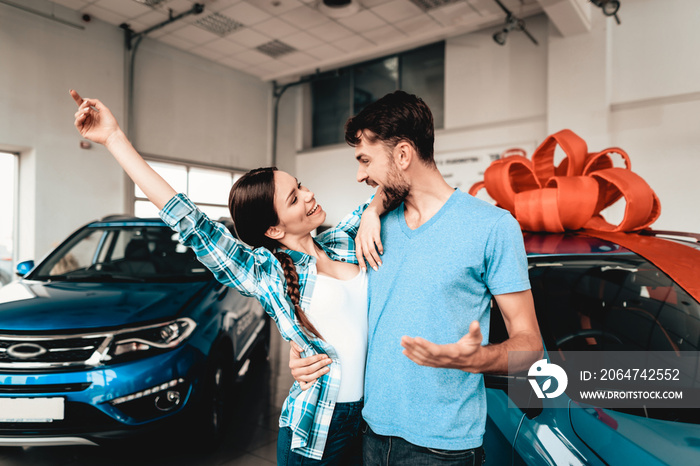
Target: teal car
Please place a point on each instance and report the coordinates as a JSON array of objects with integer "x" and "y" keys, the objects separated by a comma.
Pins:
[{"x": 595, "y": 296}]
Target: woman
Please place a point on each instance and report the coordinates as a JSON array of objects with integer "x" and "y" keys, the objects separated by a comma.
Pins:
[{"x": 288, "y": 271}]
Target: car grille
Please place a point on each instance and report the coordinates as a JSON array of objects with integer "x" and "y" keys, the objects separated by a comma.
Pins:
[
  {"x": 53, "y": 388},
  {"x": 51, "y": 352}
]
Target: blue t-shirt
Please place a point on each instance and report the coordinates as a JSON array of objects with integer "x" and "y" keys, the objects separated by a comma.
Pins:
[{"x": 434, "y": 281}]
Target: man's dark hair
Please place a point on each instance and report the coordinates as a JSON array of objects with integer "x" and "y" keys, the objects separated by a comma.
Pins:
[{"x": 396, "y": 117}]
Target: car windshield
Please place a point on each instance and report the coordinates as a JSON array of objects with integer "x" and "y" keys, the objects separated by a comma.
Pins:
[{"x": 122, "y": 254}]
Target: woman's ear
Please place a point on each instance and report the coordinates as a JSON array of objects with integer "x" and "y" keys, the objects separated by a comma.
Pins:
[{"x": 275, "y": 232}]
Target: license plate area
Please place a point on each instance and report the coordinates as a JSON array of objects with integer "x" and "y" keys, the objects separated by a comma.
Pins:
[{"x": 32, "y": 409}]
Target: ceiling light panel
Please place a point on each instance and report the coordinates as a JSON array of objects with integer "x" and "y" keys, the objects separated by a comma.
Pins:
[
  {"x": 276, "y": 48},
  {"x": 218, "y": 24},
  {"x": 427, "y": 5},
  {"x": 151, "y": 3}
]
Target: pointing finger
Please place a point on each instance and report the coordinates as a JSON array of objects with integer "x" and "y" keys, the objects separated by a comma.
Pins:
[
  {"x": 85, "y": 103},
  {"x": 76, "y": 97}
]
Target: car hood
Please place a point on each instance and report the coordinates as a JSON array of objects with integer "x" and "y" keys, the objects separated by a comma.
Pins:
[
  {"x": 33, "y": 306},
  {"x": 620, "y": 438}
]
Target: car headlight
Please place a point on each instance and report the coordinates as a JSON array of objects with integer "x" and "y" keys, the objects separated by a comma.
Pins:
[{"x": 144, "y": 341}]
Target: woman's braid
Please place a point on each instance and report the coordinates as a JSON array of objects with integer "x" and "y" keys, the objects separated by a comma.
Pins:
[{"x": 292, "y": 278}]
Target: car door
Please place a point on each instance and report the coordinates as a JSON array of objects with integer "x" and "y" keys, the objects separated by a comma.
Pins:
[
  {"x": 545, "y": 435},
  {"x": 244, "y": 318},
  {"x": 523, "y": 429},
  {"x": 506, "y": 410},
  {"x": 603, "y": 305}
]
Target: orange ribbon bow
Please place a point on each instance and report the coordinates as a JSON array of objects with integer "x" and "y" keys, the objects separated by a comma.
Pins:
[
  {"x": 545, "y": 198},
  {"x": 571, "y": 196}
]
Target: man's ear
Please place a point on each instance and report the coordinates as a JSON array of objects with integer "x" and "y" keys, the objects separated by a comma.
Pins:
[
  {"x": 275, "y": 232},
  {"x": 404, "y": 153}
]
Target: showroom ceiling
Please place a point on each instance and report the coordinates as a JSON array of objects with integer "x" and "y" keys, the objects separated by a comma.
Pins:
[{"x": 283, "y": 39}]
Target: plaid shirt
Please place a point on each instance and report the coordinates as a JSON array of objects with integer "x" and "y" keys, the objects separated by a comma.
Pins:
[{"x": 258, "y": 273}]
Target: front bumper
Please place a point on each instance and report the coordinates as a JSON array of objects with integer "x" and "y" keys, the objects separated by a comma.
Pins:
[{"x": 103, "y": 403}]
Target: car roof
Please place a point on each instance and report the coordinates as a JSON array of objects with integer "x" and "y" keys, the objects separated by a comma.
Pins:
[
  {"x": 573, "y": 243},
  {"x": 568, "y": 244},
  {"x": 131, "y": 221},
  {"x": 113, "y": 221}
]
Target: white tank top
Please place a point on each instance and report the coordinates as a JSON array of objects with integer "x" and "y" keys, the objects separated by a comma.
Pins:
[{"x": 338, "y": 310}]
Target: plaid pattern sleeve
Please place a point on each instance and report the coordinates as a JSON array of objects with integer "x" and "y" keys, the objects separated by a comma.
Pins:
[
  {"x": 341, "y": 238},
  {"x": 257, "y": 273}
]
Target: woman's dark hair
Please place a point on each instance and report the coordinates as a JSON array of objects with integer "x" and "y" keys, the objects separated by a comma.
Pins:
[
  {"x": 252, "y": 206},
  {"x": 396, "y": 117}
]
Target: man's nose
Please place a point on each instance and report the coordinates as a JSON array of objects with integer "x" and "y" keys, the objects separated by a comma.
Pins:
[{"x": 361, "y": 174}]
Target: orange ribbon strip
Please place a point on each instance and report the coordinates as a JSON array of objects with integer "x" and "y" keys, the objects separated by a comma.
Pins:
[{"x": 571, "y": 196}]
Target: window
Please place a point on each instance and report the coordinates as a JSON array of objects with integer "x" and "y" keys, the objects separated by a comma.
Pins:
[
  {"x": 620, "y": 303},
  {"x": 373, "y": 80},
  {"x": 8, "y": 214},
  {"x": 129, "y": 252},
  {"x": 339, "y": 94},
  {"x": 206, "y": 187},
  {"x": 616, "y": 303}
]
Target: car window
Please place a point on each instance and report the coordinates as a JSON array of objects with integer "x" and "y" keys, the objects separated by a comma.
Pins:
[
  {"x": 80, "y": 256},
  {"x": 122, "y": 253},
  {"x": 612, "y": 303},
  {"x": 618, "y": 302}
]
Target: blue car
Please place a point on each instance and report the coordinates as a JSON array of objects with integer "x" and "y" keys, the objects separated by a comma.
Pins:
[
  {"x": 595, "y": 296},
  {"x": 118, "y": 331}
]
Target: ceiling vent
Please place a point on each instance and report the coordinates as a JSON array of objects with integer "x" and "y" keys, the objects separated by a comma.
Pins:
[
  {"x": 151, "y": 3},
  {"x": 218, "y": 24},
  {"x": 275, "y": 48},
  {"x": 427, "y": 5},
  {"x": 339, "y": 8}
]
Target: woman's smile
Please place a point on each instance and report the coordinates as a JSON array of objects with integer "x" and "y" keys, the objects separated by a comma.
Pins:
[{"x": 315, "y": 209}]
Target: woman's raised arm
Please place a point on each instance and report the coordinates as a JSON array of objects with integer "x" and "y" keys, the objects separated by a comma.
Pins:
[{"x": 95, "y": 122}]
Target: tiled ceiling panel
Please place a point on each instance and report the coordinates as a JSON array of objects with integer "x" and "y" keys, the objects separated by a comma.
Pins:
[
  {"x": 276, "y": 28},
  {"x": 397, "y": 10},
  {"x": 284, "y": 39}
]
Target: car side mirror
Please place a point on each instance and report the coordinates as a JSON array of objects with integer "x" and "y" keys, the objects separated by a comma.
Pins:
[
  {"x": 518, "y": 390},
  {"x": 23, "y": 268}
]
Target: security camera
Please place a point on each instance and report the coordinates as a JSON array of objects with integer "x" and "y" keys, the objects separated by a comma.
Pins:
[{"x": 609, "y": 7}]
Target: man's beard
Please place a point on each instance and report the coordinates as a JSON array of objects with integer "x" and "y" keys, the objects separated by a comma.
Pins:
[{"x": 395, "y": 191}]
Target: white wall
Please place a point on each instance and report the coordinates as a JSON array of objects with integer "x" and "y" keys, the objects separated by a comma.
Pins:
[
  {"x": 186, "y": 108},
  {"x": 655, "y": 103},
  {"x": 192, "y": 109},
  {"x": 634, "y": 85},
  {"x": 61, "y": 185}
]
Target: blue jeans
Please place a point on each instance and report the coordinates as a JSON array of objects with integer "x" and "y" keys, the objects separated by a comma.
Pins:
[
  {"x": 379, "y": 450},
  {"x": 344, "y": 444}
]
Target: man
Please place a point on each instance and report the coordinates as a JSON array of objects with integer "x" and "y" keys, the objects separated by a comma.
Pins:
[{"x": 446, "y": 255}]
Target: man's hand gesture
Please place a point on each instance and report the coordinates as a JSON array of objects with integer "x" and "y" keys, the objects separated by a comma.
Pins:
[{"x": 463, "y": 354}]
